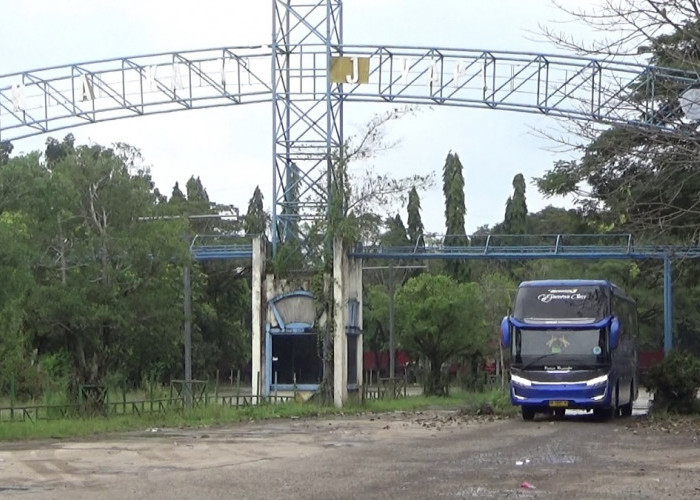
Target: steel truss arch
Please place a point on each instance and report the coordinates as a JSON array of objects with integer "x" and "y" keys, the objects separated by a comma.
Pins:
[{"x": 45, "y": 100}]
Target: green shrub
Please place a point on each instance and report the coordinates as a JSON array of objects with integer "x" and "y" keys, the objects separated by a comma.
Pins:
[{"x": 675, "y": 383}]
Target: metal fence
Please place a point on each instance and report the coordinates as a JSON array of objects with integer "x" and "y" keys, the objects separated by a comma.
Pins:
[{"x": 104, "y": 407}]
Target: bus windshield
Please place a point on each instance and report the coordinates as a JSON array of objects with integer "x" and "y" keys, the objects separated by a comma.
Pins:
[
  {"x": 552, "y": 347},
  {"x": 536, "y": 304}
]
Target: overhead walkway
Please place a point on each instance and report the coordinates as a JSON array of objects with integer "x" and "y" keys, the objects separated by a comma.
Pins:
[
  {"x": 519, "y": 247},
  {"x": 493, "y": 247},
  {"x": 553, "y": 246}
]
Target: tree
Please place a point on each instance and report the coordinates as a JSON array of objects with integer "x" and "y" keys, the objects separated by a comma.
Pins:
[
  {"x": 396, "y": 235},
  {"x": 255, "y": 217},
  {"x": 515, "y": 220},
  {"x": 644, "y": 182},
  {"x": 360, "y": 198},
  {"x": 177, "y": 195},
  {"x": 107, "y": 281},
  {"x": 354, "y": 200},
  {"x": 415, "y": 223},
  {"x": 455, "y": 213},
  {"x": 636, "y": 184},
  {"x": 5, "y": 152},
  {"x": 453, "y": 190},
  {"x": 196, "y": 192},
  {"x": 222, "y": 317},
  {"x": 441, "y": 320},
  {"x": 19, "y": 362},
  {"x": 639, "y": 180},
  {"x": 375, "y": 317},
  {"x": 556, "y": 220},
  {"x": 56, "y": 151},
  {"x": 497, "y": 292}
]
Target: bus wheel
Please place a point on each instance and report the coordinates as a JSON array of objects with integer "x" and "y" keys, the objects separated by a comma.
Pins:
[
  {"x": 611, "y": 411},
  {"x": 528, "y": 413},
  {"x": 626, "y": 409}
]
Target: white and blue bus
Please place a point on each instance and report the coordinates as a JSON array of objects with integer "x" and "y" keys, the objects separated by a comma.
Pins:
[{"x": 573, "y": 345}]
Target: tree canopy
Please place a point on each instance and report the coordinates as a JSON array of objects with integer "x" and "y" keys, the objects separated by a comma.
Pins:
[{"x": 441, "y": 320}]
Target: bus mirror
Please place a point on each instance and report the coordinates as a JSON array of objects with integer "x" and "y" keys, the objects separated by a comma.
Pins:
[
  {"x": 614, "y": 332},
  {"x": 505, "y": 332}
]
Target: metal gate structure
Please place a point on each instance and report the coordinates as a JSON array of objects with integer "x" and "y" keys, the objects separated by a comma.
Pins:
[{"x": 308, "y": 74}]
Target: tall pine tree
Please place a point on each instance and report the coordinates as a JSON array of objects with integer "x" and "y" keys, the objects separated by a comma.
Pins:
[
  {"x": 515, "y": 221},
  {"x": 415, "y": 223},
  {"x": 5, "y": 151},
  {"x": 177, "y": 196},
  {"x": 455, "y": 208},
  {"x": 255, "y": 219},
  {"x": 455, "y": 213}
]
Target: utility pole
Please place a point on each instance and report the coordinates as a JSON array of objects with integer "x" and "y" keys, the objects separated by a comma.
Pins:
[
  {"x": 187, "y": 292},
  {"x": 391, "y": 288},
  {"x": 187, "y": 279},
  {"x": 392, "y": 341}
]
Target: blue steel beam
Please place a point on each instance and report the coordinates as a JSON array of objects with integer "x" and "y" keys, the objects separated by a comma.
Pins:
[
  {"x": 525, "y": 253},
  {"x": 218, "y": 247},
  {"x": 668, "y": 306},
  {"x": 222, "y": 252}
]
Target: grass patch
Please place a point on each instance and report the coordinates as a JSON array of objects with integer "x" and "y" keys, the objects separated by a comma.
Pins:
[{"x": 493, "y": 402}]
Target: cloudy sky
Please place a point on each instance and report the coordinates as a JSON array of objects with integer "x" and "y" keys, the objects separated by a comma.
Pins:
[{"x": 230, "y": 148}]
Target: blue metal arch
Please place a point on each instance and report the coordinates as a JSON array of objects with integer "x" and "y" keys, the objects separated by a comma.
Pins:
[
  {"x": 49, "y": 99},
  {"x": 284, "y": 327}
]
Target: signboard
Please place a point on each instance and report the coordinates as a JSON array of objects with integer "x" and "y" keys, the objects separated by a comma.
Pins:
[{"x": 351, "y": 70}]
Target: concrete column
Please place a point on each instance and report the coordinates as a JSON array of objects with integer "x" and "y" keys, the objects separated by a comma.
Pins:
[
  {"x": 340, "y": 308},
  {"x": 258, "y": 313}
]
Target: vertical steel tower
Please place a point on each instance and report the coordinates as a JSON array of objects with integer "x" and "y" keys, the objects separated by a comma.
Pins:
[{"x": 307, "y": 118}]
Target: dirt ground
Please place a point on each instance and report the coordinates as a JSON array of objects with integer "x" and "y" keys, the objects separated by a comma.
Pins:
[{"x": 432, "y": 454}]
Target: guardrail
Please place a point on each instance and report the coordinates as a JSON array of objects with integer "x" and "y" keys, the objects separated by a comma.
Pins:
[{"x": 582, "y": 246}]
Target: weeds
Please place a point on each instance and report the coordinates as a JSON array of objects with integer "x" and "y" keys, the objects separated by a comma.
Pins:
[{"x": 494, "y": 402}]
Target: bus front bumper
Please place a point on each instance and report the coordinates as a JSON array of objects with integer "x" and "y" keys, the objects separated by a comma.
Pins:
[{"x": 559, "y": 395}]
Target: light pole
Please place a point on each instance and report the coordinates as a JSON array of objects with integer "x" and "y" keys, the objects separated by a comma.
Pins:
[{"x": 391, "y": 286}]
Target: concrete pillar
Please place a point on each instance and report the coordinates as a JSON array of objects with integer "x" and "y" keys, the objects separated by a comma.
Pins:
[
  {"x": 340, "y": 311},
  {"x": 258, "y": 313},
  {"x": 347, "y": 285}
]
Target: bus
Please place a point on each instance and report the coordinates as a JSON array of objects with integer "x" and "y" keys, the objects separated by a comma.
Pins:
[{"x": 573, "y": 345}]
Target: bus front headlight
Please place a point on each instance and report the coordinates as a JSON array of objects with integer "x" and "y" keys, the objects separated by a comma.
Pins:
[
  {"x": 602, "y": 380},
  {"x": 520, "y": 381}
]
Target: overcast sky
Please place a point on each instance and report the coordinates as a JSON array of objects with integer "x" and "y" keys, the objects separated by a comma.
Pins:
[{"x": 230, "y": 148}]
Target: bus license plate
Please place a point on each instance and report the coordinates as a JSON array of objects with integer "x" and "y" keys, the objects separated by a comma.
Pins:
[{"x": 559, "y": 404}]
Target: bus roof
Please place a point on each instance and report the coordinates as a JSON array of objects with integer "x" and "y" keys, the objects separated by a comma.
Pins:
[{"x": 578, "y": 282}]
